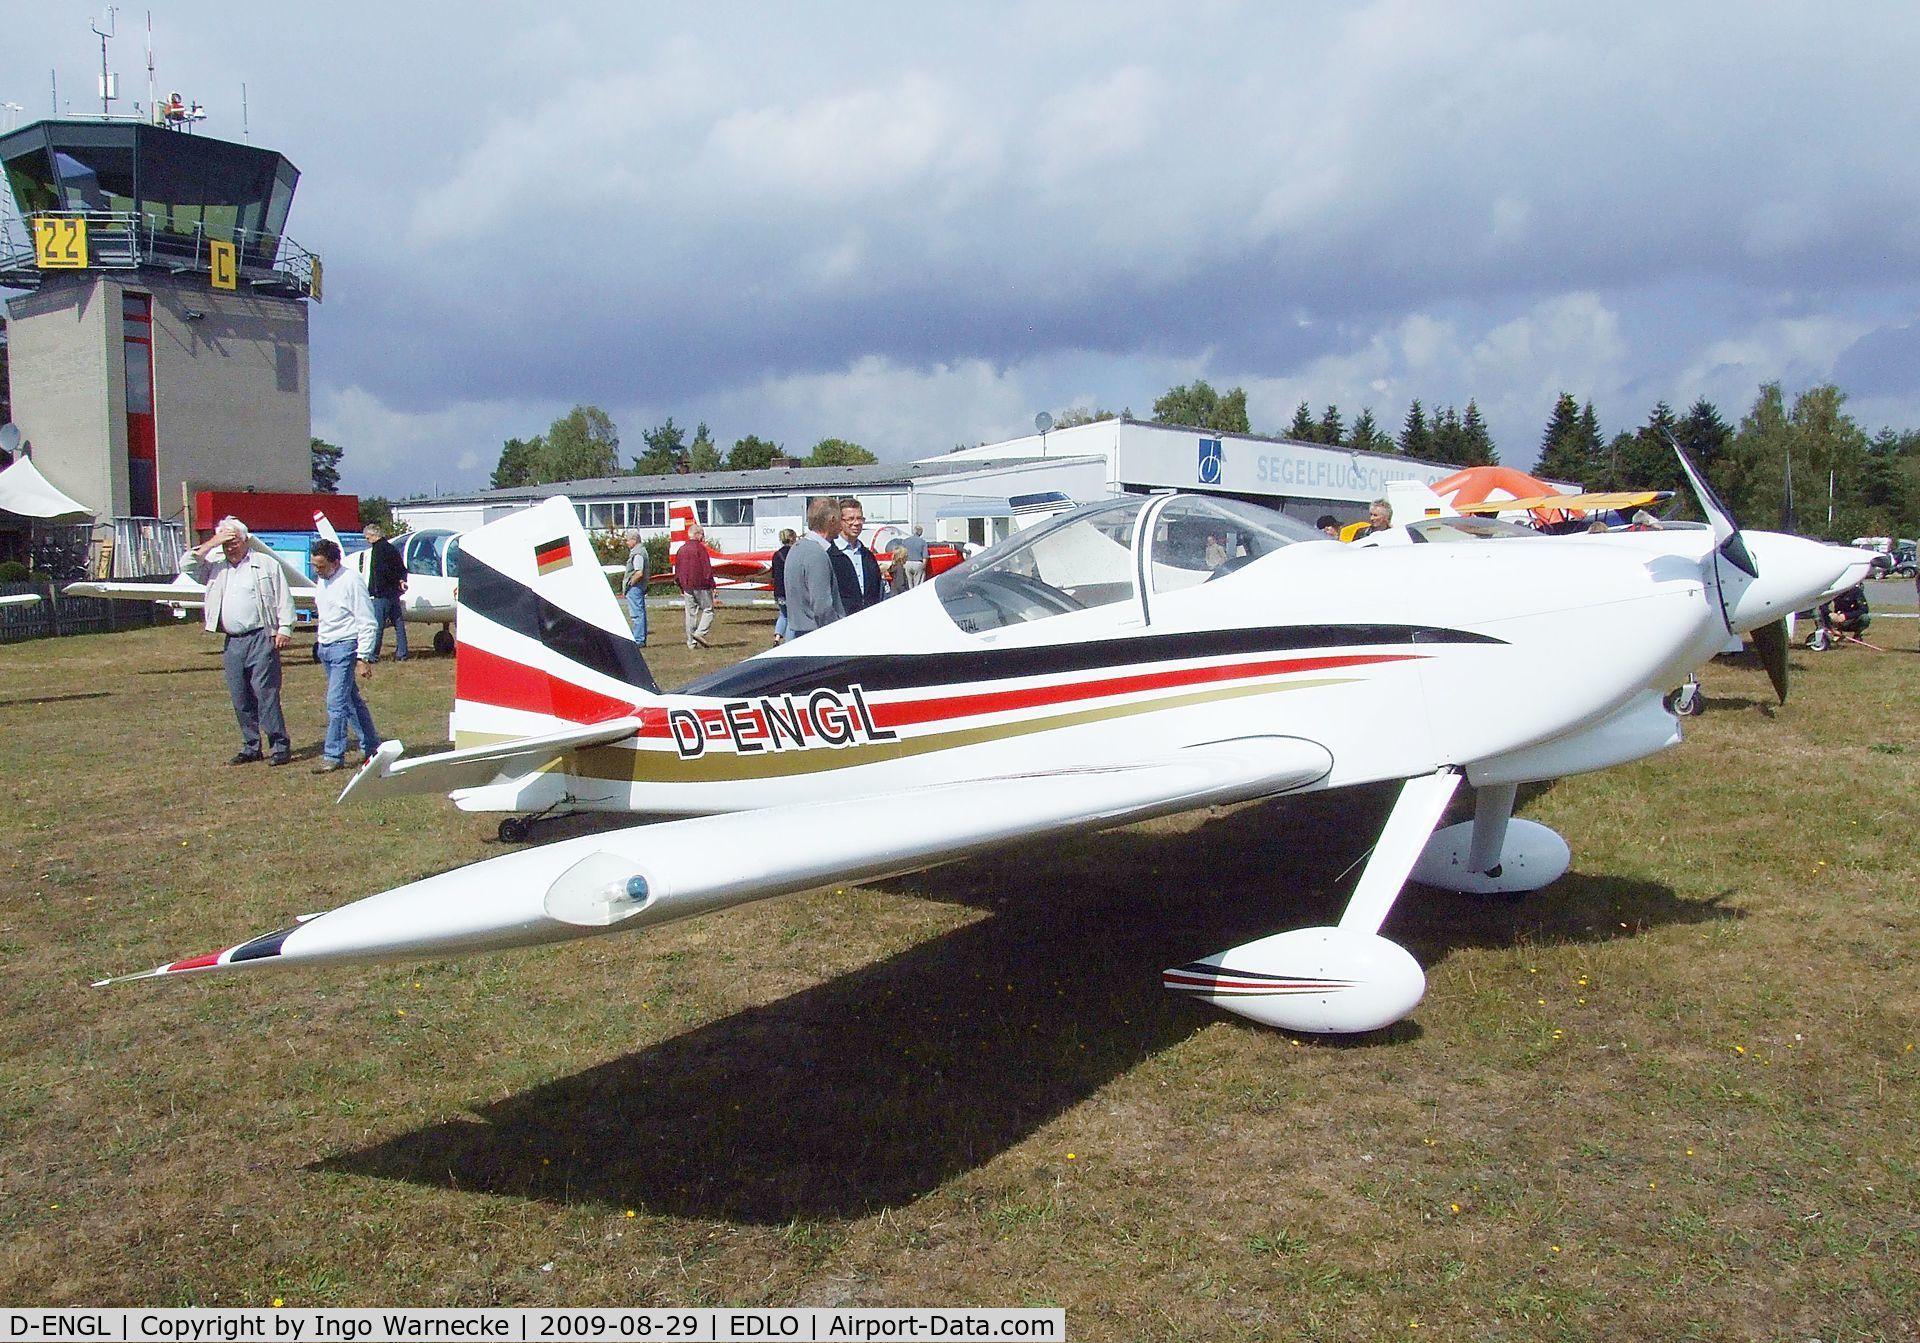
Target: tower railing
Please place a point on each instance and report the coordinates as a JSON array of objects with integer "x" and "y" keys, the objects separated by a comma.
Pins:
[{"x": 124, "y": 240}]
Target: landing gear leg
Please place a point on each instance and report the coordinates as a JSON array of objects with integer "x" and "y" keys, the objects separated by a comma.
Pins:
[
  {"x": 519, "y": 829},
  {"x": 1334, "y": 980}
]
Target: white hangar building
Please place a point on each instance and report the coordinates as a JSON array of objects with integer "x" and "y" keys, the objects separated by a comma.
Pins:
[
  {"x": 1303, "y": 480},
  {"x": 972, "y": 494},
  {"x": 954, "y": 498}
]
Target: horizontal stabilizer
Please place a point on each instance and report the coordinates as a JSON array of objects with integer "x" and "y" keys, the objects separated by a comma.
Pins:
[{"x": 386, "y": 775}]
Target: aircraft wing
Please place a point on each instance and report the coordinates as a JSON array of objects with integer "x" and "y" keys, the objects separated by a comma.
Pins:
[
  {"x": 20, "y": 599},
  {"x": 386, "y": 775},
  {"x": 182, "y": 592},
  {"x": 654, "y": 874},
  {"x": 1617, "y": 499}
]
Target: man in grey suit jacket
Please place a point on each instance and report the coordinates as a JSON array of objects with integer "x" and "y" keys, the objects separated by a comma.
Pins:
[{"x": 813, "y": 598}]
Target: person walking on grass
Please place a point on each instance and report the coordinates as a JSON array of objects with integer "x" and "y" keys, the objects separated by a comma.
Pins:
[
  {"x": 343, "y": 641},
  {"x": 693, "y": 571}
]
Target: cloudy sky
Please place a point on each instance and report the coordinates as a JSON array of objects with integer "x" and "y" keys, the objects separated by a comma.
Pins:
[{"x": 915, "y": 226}]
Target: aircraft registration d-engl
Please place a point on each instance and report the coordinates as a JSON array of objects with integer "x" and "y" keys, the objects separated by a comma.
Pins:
[{"x": 1133, "y": 658}]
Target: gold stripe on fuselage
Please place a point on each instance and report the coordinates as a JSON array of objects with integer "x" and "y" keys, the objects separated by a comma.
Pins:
[{"x": 627, "y": 764}]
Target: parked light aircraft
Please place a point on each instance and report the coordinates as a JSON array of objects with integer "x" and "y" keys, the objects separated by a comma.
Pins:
[
  {"x": 432, "y": 560},
  {"x": 430, "y": 557},
  {"x": 1088, "y": 672},
  {"x": 751, "y": 570}
]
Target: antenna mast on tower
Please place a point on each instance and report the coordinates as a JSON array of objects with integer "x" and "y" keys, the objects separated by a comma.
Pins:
[{"x": 109, "y": 86}]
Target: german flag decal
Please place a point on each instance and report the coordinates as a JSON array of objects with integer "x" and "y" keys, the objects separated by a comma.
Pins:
[{"x": 553, "y": 556}]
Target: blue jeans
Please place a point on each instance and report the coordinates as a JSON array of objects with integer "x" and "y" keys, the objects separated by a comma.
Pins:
[
  {"x": 345, "y": 707},
  {"x": 637, "y": 612},
  {"x": 391, "y": 611}
]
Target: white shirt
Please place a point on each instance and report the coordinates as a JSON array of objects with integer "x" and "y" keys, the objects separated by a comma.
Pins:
[
  {"x": 240, "y": 608},
  {"x": 345, "y": 610},
  {"x": 853, "y": 549}
]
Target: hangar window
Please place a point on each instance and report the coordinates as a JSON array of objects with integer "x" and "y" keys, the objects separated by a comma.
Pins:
[
  {"x": 1075, "y": 562},
  {"x": 732, "y": 512}
]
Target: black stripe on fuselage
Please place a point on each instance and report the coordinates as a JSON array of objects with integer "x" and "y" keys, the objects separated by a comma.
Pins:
[
  {"x": 915, "y": 671},
  {"x": 261, "y": 947},
  {"x": 488, "y": 592}
]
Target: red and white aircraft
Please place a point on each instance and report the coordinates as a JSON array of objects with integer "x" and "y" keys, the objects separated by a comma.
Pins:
[
  {"x": 1088, "y": 672},
  {"x": 746, "y": 569}
]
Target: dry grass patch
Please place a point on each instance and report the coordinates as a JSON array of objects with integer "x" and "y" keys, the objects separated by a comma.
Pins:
[{"x": 1672, "y": 1096}]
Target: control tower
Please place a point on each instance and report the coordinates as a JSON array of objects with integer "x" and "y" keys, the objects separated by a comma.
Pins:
[{"x": 161, "y": 348}]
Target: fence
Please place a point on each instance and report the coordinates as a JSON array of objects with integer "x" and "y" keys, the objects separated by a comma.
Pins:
[{"x": 56, "y": 614}]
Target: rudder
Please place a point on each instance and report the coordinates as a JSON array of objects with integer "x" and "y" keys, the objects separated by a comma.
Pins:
[{"x": 540, "y": 639}]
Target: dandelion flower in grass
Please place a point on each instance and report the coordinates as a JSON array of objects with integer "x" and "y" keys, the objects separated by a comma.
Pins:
[
  {"x": 1739, "y": 1049},
  {"x": 1072, "y": 1157},
  {"x": 630, "y": 1212},
  {"x": 1453, "y": 1207},
  {"x": 277, "y": 1303}
]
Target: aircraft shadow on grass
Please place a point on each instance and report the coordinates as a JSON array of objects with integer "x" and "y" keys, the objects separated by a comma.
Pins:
[
  {"x": 872, "y": 1089},
  {"x": 53, "y": 699}
]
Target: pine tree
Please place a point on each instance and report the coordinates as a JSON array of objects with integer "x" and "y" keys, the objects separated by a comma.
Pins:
[
  {"x": 1449, "y": 439},
  {"x": 1477, "y": 443},
  {"x": 515, "y": 466},
  {"x": 1564, "y": 451},
  {"x": 1332, "y": 432},
  {"x": 1416, "y": 440},
  {"x": 1366, "y": 435},
  {"x": 1303, "y": 429}
]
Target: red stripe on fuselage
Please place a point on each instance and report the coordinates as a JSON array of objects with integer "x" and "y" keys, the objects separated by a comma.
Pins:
[
  {"x": 487, "y": 678},
  {"x": 903, "y": 713}
]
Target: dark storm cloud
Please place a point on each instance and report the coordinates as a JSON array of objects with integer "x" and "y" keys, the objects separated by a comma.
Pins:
[{"x": 788, "y": 212}]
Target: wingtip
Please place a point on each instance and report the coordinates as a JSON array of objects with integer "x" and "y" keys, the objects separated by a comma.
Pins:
[{"x": 376, "y": 766}]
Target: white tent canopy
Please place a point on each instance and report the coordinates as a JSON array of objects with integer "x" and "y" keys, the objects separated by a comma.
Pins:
[{"x": 25, "y": 493}]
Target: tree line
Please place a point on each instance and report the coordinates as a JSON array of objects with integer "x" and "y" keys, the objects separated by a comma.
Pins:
[
  {"x": 1808, "y": 467},
  {"x": 584, "y": 445},
  {"x": 1805, "y": 466}
]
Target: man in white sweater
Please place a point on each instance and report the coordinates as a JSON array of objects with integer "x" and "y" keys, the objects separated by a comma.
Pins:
[{"x": 344, "y": 640}]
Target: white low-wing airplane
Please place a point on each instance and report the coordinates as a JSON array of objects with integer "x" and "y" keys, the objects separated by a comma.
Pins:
[
  {"x": 430, "y": 557},
  {"x": 1091, "y": 671}
]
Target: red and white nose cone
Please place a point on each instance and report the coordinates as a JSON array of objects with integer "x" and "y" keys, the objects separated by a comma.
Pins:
[{"x": 1316, "y": 980}]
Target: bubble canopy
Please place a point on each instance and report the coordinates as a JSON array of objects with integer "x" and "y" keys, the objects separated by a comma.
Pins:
[
  {"x": 1102, "y": 553},
  {"x": 182, "y": 187}
]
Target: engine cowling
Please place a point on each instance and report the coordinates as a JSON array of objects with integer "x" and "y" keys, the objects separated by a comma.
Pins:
[{"x": 1322, "y": 981}]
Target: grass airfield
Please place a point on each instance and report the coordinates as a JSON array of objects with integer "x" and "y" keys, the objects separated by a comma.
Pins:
[{"x": 1672, "y": 1096}]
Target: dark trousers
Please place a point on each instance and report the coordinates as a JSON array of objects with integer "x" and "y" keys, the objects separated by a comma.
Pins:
[
  {"x": 252, "y": 665},
  {"x": 390, "y": 611}
]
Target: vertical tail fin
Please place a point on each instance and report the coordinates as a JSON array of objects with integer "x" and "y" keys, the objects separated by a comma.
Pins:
[
  {"x": 541, "y": 640},
  {"x": 679, "y": 523},
  {"x": 1412, "y": 500}
]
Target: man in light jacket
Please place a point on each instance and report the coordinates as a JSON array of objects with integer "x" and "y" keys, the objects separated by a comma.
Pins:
[
  {"x": 813, "y": 596},
  {"x": 247, "y": 600}
]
